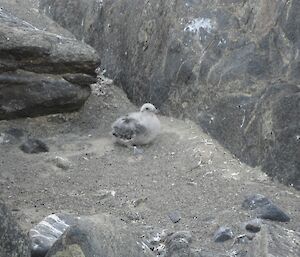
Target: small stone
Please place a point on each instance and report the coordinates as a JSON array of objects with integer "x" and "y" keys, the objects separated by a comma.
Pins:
[
  {"x": 178, "y": 244},
  {"x": 250, "y": 236},
  {"x": 253, "y": 225},
  {"x": 254, "y": 201},
  {"x": 133, "y": 216},
  {"x": 11, "y": 136},
  {"x": 242, "y": 239},
  {"x": 103, "y": 193},
  {"x": 137, "y": 151},
  {"x": 174, "y": 216},
  {"x": 223, "y": 234},
  {"x": 2, "y": 138},
  {"x": 61, "y": 162},
  {"x": 15, "y": 132},
  {"x": 34, "y": 146},
  {"x": 137, "y": 202}
]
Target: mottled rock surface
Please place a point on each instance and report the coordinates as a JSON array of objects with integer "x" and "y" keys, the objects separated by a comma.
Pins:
[
  {"x": 13, "y": 243},
  {"x": 254, "y": 225},
  {"x": 99, "y": 235},
  {"x": 223, "y": 234},
  {"x": 232, "y": 66},
  {"x": 34, "y": 146},
  {"x": 264, "y": 208},
  {"x": 41, "y": 72},
  {"x": 48, "y": 231}
]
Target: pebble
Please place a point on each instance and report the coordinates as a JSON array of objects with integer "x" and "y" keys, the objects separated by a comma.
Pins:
[
  {"x": 133, "y": 216},
  {"x": 178, "y": 244},
  {"x": 2, "y": 138},
  {"x": 264, "y": 208},
  {"x": 137, "y": 151},
  {"x": 174, "y": 216},
  {"x": 223, "y": 234},
  {"x": 34, "y": 146},
  {"x": 60, "y": 162},
  {"x": 137, "y": 202},
  {"x": 15, "y": 132},
  {"x": 253, "y": 225},
  {"x": 11, "y": 136}
]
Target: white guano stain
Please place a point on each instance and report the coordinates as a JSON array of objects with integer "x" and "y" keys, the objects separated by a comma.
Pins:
[{"x": 195, "y": 25}]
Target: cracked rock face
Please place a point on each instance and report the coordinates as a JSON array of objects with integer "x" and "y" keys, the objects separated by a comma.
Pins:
[
  {"x": 41, "y": 72},
  {"x": 232, "y": 66},
  {"x": 13, "y": 241}
]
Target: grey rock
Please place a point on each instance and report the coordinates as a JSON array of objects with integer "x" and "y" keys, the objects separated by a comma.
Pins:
[
  {"x": 25, "y": 47},
  {"x": 275, "y": 240},
  {"x": 223, "y": 234},
  {"x": 167, "y": 243},
  {"x": 132, "y": 216},
  {"x": 272, "y": 212},
  {"x": 60, "y": 162},
  {"x": 80, "y": 79},
  {"x": 137, "y": 151},
  {"x": 178, "y": 244},
  {"x": 229, "y": 65},
  {"x": 41, "y": 72},
  {"x": 11, "y": 136},
  {"x": 253, "y": 225},
  {"x": 29, "y": 94},
  {"x": 47, "y": 232},
  {"x": 13, "y": 243},
  {"x": 254, "y": 201},
  {"x": 99, "y": 235},
  {"x": 4, "y": 139},
  {"x": 264, "y": 208},
  {"x": 34, "y": 146},
  {"x": 139, "y": 201},
  {"x": 15, "y": 132},
  {"x": 174, "y": 216}
]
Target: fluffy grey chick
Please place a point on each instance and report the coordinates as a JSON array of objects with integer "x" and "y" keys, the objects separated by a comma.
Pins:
[{"x": 137, "y": 128}]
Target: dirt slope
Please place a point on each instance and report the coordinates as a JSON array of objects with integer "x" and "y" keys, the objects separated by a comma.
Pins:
[{"x": 184, "y": 170}]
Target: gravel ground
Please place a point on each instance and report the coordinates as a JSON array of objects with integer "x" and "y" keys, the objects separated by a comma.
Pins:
[{"x": 184, "y": 170}]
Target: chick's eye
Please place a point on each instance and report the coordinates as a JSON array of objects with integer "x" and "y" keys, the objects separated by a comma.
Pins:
[{"x": 147, "y": 109}]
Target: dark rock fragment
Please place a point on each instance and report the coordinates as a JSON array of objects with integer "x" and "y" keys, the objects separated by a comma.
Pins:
[{"x": 34, "y": 146}]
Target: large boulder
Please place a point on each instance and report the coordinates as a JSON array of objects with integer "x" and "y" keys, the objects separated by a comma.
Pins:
[
  {"x": 13, "y": 243},
  {"x": 98, "y": 236},
  {"x": 41, "y": 72},
  {"x": 232, "y": 65}
]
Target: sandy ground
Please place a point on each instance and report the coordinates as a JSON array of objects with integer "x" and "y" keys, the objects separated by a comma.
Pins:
[{"x": 183, "y": 170}]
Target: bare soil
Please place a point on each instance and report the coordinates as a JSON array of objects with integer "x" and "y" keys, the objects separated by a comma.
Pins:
[{"x": 184, "y": 170}]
